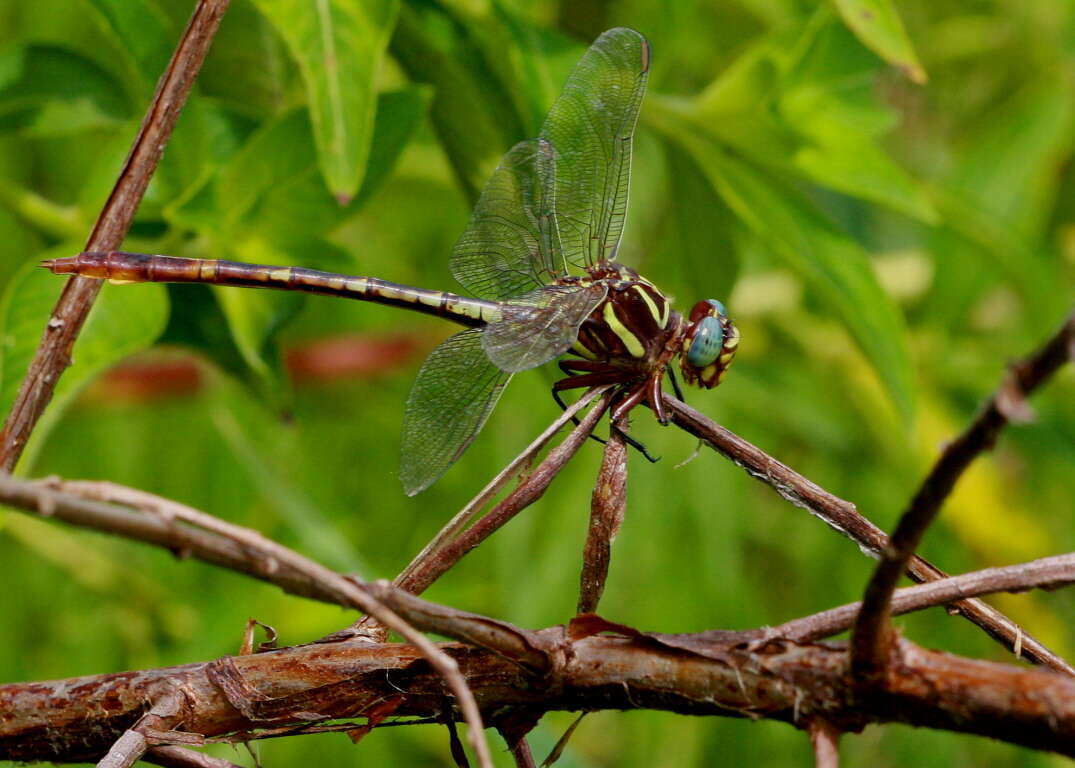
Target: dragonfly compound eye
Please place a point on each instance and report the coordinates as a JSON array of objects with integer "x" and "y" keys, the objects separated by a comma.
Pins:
[{"x": 709, "y": 344}]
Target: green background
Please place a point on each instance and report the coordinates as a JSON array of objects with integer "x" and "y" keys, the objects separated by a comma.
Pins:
[{"x": 887, "y": 243}]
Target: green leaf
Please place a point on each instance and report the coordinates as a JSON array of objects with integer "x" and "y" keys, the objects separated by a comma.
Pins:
[
  {"x": 473, "y": 110},
  {"x": 272, "y": 185},
  {"x": 834, "y": 266},
  {"x": 806, "y": 101},
  {"x": 832, "y": 263},
  {"x": 142, "y": 32},
  {"x": 399, "y": 113},
  {"x": 123, "y": 321},
  {"x": 878, "y": 26},
  {"x": 697, "y": 215},
  {"x": 338, "y": 45},
  {"x": 48, "y": 75},
  {"x": 1009, "y": 166},
  {"x": 66, "y": 118}
]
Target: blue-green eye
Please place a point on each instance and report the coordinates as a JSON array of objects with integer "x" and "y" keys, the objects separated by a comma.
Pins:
[
  {"x": 708, "y": 342},
  {"x": 717, "y": 306}
]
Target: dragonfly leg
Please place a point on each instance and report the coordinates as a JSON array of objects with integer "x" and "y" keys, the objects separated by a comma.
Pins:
[
  {"x": 675, "y": 385},
  {"x": 653, "y": 397},
  {"x": 571, "y": 367},
  {"x": 630, "y": 401},
  {"x": 594, "y": 380}
]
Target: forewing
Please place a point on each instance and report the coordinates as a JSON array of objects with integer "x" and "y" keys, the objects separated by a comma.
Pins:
[
  {"x": 539, "y": 326},
  {"x": 591, "y": 126},
  {"x": 511, "y": 245},
  {"x": 456, "y": 390}
]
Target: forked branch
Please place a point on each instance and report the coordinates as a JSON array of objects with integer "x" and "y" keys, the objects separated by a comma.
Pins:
[
  {"x": 590, "y": 664},
  {"x": 846, "y": 519},
  {"x": 872, "y": 635}
]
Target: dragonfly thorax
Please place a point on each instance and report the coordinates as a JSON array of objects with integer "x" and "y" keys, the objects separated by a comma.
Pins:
[{"x": 633, "y": 326}]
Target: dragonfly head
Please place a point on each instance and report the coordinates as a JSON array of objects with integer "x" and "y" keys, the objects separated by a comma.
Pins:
[{"x": 708, "y": 345}]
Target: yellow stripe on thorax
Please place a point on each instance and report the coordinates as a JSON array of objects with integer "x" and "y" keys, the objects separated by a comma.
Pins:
[
  {"x": 630, "y": 341},
  {"x": 661, "y": 318}
]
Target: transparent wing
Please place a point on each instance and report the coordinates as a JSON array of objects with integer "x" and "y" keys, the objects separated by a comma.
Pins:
[
  {"x": 539, "y": 326},
  {"x": 511, "y": 245},
  {"x": 456, "y": 390},
  {"x": 591, "y": 126}
]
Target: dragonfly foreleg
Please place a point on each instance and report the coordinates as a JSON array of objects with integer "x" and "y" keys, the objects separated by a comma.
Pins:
[
  {"x": 675, "y": 385},
  {"x": 595, "y": 379}
]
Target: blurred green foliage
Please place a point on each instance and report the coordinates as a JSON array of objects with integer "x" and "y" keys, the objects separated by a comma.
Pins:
[{"x": 886, "y": 243}]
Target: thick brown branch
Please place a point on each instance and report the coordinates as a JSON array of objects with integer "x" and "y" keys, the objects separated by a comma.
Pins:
[
  {"x": 845, "y": 518},
  {"x": 260, "y": 553},
  {"x": 79, "y": 719},
  {"x": 54, "y": 353},
  {"x": 870, "y": 639}
]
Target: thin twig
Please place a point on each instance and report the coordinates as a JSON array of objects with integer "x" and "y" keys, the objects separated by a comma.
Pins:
[
  {"x": 45, "y": 499},
  {"x": 522, "y": 755},
  {"x": 131, "y": 746},
  {"x": 474, "y": 506},
  {"x": 181, "y": 757},
  {"x": 826, "y": 742},
  {"x": 871, "y": 637},
  {"x": 606, "y": 514},
  {"x": 528, "y": 491},
  {"x": 53, "y": 355},
  {"x": 845, "y": 518},
  {"x": 344, "y": 590},
  {"x": 1045, "y": 573},
  {"x": 451, "y": 543}
]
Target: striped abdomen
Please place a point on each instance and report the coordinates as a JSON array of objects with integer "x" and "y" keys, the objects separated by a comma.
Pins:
[{"x": 123, "y": 267}]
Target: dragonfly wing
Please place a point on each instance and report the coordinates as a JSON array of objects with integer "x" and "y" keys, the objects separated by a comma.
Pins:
[
  {"x": 456, "y": 390},
  {"x": 511, "y": 245},
  {"x": 539, "y": 326},
  {"x": 591, "y": 126}
]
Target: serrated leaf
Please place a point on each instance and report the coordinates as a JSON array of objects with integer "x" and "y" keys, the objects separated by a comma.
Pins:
[
  {"x": 338, "y": 45},
  {"x": 878, "y": 26},
  {"x": 123, "y": 321}
]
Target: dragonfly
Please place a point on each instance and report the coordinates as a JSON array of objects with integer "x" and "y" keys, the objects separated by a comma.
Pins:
[{"x": 539, "y": 258}]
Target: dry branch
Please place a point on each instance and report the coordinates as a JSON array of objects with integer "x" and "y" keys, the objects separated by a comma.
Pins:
[
  {"x": 845, "y": 518},
  {"x": 53, "y": 355},
  {"x": 607, "y": 508},
  {"x": 515, "y": 673},
  {"x": 870, "y": 639}
]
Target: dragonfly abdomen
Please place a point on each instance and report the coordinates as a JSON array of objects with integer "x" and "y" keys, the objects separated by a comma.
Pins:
[{"x": 122, "y": 267}]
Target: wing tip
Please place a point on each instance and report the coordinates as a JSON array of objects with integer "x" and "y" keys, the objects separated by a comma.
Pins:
[{"x": 643, "y": 44}]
